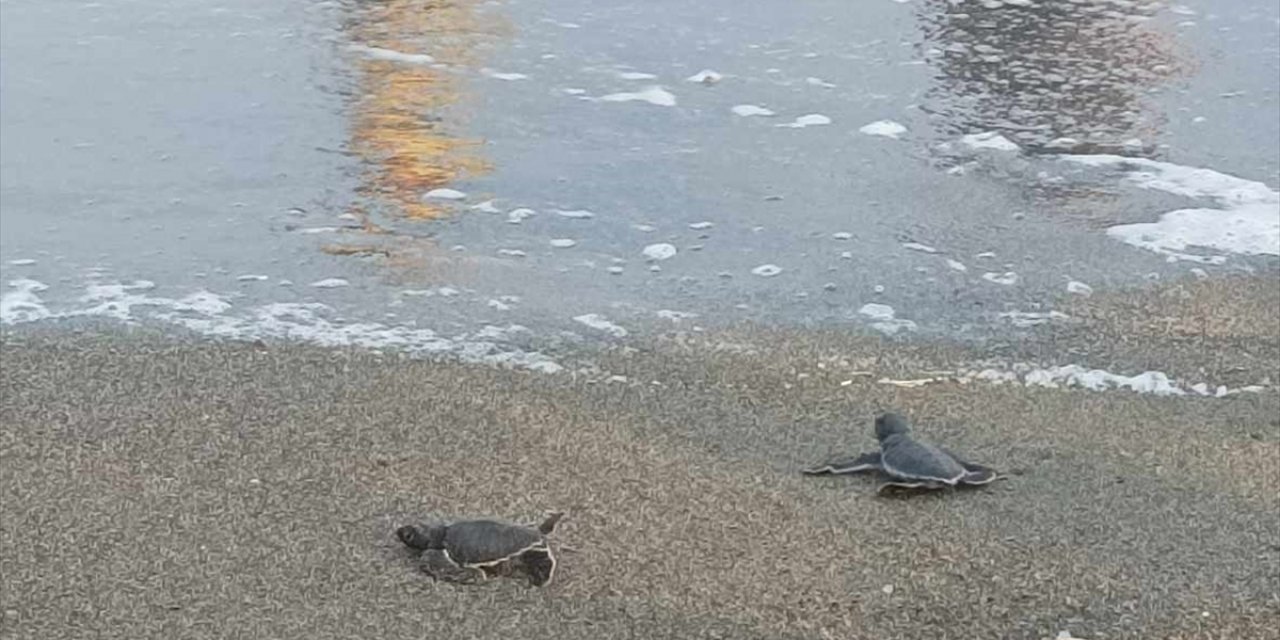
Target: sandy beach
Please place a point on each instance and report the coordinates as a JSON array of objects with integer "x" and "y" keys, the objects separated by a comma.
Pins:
[{"x": 158, "y": 487}]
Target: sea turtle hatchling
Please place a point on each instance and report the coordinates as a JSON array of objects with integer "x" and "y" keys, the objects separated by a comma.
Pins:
[
  {"x": 470, "y": 551},
  {"x": 908, "y": 463}
]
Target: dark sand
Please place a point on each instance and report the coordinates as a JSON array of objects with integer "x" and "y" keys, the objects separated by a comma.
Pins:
[{"x": 158, "y": 487}]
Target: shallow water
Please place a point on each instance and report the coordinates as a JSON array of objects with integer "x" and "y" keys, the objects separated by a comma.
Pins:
[{"x": 401, "y": 174}]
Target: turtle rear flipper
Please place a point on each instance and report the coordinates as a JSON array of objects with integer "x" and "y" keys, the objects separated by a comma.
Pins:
[
  {"x": 975, "y": 474},
  {"x": 539, "y": 564},
  {"x": 850, "y": 464}
]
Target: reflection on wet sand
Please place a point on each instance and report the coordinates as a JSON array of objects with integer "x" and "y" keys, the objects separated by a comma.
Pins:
[
  {"x": 1052, "y": 76},
  {"x": 401, "y": 125}
]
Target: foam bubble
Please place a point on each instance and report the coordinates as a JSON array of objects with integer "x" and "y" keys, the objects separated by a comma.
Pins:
[
  {"x": 885, "y": 128},
  {"x": 809, "y": 120},
  {"x": 748, "y": 110},
  {"x": 653, "y": 95}
]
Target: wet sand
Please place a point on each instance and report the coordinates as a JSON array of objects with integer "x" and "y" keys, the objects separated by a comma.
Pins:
[{"x": 156, "y": 486}]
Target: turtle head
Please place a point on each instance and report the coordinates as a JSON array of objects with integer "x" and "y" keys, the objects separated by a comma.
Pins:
[
  {"x": 421, "y": 538},
  {"x": 889, "y": 423},
  {"x": 411, "y": 537}
]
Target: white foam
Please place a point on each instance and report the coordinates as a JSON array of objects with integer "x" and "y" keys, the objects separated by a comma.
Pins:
[
  {"x": 1247, "y": 220},
  {"x": 22, "y": 262},
  {"x": 956, "y": 265},
  {"x": 378, "y": 53},
  {"x": 499, "y": 75},
  {"x": 636, "y": 75},
  {"x": 877, "y": 311},
  {"x": 659, "y": 251},
  {"x": 486, "y": 207},
  {"x": 706, "y": 76},
  {"x": 819, "y": 82},
  {"x": 989, "y": 140},
  {"x": 562, "y": 25},
  {"x": 600, "y": 323},
  {"x": 207, "y": 313},
  {"x": 1073, "y": 375},
  {"x": 330, "y": 283},
  {"x": 699, "y": 226},
  {"x": 675, "y": 316},
  {"x": 653, "y": 95},
  {"x": 1079, "y": 288},
  {"x": 886, "y": 128},
  {"x": 580, "y": 214},
  {"x": 748, "y": 110},
  {"x": 1007, "y": 278},
  {"x": 202, "y": 302},
  {"x": 1033, "y": 318},
  {"x": 767, "y": 270},
  {"x": 516, "y": 216},
  {"x": 809, "y": 120},
  {"x": 444, "y": 194},
  {"x": 916, "y": 246},
  {"x": 252, "y": 277},
  {"x": 563, "y": 243},
  {"x": 884, "y": 318},
  {"x": 23, "y": 305},
  {"x": 512, "y": 253}
]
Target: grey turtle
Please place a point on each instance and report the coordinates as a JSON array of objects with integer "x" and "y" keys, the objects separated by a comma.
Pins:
[
  {"x": 471, "y": 551},
  {"x": 908, "y": 463}
]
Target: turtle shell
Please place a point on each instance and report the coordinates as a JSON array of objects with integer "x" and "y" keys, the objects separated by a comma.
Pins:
[
  {"x": 482, "y": 542},
  {"x": 904, "y": 457}
]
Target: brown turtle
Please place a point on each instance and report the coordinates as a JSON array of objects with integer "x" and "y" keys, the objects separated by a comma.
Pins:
[{"x": 471, "y": 551}]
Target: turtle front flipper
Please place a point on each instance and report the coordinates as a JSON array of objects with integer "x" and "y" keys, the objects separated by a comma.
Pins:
[
  {"x": 850, "y": 464},
  {"x": 539, "y": 564},
  {"x": 549, "y": 524},
  {"x": 909, "y": 485},
  {"x": 437, "y": 564}
]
